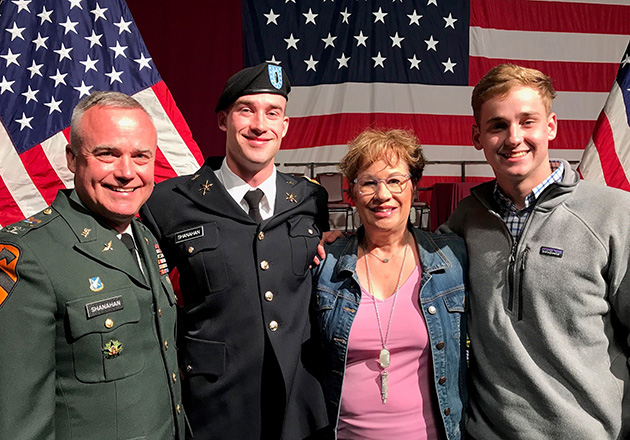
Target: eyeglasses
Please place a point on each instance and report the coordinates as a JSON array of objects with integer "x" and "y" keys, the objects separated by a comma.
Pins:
[{"x": 396, "y": 184}]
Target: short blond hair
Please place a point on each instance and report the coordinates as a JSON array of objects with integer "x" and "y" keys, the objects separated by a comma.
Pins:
[
  {"x": 391, "y": 146},
  {"x": 500, "y": 79}
]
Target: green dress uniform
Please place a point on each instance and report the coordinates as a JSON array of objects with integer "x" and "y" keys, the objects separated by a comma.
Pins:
[{"x": 87, "y": 338}]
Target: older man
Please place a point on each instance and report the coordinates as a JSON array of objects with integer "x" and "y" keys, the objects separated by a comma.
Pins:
[
  {"x": 242, "y": 238},
  {"x": 87, "y": 312}
]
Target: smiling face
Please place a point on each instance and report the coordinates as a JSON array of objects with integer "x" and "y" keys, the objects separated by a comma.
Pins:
[
  {"x": 255, "y": 126},
  {"x": 113, "y": 168},
  {"x": 384, "y": 211},
  {"x": 514, "y": 131}
]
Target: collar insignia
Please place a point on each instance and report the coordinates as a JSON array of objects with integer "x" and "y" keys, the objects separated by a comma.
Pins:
[
  {"x": 205, "y": 188},
  {"x": 108, "y": 247},
  {"x": 291, "y": 198},
  {"x": 86, "y": 232}
]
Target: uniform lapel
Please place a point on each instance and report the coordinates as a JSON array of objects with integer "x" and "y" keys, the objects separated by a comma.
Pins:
[
  {"x": 204, "y": 189},
  {"x": 94, "y": 239},
  {"x": 289, "y": 193}
]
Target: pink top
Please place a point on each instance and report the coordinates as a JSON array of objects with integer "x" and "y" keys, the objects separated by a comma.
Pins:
[{"x": 411, "y": 410}]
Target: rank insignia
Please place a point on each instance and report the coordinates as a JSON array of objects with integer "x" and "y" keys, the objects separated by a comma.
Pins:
[
  {"x": 108, "y": 247},
  {"x": 95, "y": 284},
  {"x": 275, "y": 76},
  {"x": 291, "y": 198},
  {"x": 31, "y": 221},
  {"x": 146, "y": 240},
  {"x": 13, "y": 229},
  {"x": 194, "y": 177},
  {"x": 205, "y": 188},
  {"x": 86, "y": 232},
  {"x": 112, "y": 349}
]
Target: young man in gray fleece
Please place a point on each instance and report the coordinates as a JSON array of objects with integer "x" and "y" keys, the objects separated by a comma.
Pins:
[{"x": 549, "y": 310}]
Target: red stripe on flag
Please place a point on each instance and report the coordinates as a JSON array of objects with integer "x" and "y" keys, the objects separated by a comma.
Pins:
[
  {"x": 603, "y": 139},
  {"x": 163, "y": 169},
  {"x": 526, "y": 15},
  {"x": 41, "y": 172},
  {"x": 567, "y": 76},
  {"x": 66, "y": 133},
  {"x": 10, "y": 211},
  {"x": 339, "y": 129},
  {"x": 163, "y": 94}
]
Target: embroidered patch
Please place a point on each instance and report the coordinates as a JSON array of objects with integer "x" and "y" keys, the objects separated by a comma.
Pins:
[
  {"x": 95, "y": 284},
  {"x": 101, "y": 307},
  {"x": 551, "y": 252},
  {"x": 9, "y": 256},
  {"x": 275, "y": 76},
  {"x": 188, "y": 234}
]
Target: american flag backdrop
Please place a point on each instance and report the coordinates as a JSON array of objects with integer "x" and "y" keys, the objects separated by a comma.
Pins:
[
  {"x": 52, "y": 54},
  {"x": 607, "y": 156},
  {"x": 413, "y": 64}
]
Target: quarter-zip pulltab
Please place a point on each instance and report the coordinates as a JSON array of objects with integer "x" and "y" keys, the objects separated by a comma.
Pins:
[
  {"x": 512, "y": 263},
  {"x": 521, "y": 274}
]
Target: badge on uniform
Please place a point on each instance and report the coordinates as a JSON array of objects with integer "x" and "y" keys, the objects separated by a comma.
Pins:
[
  {"x": 275, "y": 76},
  {"x": 95, "y": 284},
  {"x": 9, "y": 257},
  {"x": 112, "y": 349},
  {"x": 161, "y": 260}
]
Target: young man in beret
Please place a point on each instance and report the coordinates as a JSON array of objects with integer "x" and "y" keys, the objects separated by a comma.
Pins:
[
  {"x": 548, "y": 269},
  {"x": 87, "y": 311},
  {"x": 242, "y": 239}
]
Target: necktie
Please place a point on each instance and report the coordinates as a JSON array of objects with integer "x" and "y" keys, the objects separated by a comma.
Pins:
[
  {"x": 253, "y": 201},
  {"x": 127, "y": 240}
]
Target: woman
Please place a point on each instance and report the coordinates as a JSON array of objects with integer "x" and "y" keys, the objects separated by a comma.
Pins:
[{"x": 389, "y": 303}]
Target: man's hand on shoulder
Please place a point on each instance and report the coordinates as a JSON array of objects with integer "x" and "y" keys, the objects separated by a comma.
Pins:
[{"x": 327, "y": 237}]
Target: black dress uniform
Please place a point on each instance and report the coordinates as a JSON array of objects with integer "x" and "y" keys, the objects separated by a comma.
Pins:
[
  {"x": 87, "y": 348},
  {"x": 245, "y": 333}
]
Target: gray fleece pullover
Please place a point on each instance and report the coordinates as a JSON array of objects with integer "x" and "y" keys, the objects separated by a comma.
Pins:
[{"x": 549, "y": 316}]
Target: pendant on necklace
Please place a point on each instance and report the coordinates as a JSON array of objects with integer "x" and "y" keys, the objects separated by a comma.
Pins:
[
  {"x": 384, "y": 358},
  {"x": 385, "y": 260},
  {"x": 384, "y": 386}
]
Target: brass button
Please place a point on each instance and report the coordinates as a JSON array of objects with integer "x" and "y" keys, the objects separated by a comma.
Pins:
[
  {"x": 447, "y": 412},
  {"x": 442, "y": 380},
  {"x": 269, "y": 295},
  {"x": 160, "y": 313},
  {"x": 189, "y": 368},
  {"x": 179, "y": 409},
  {"x": 191, "y": 249},
  {"x": 109, "y": 323},
  {"x": 264, "y": 265},
  {"x": 432, "y": 310},
  {"x": 273, "y": 326},
  {"x": 47, "y": 211},
  {"x": 174, "y": 377},
  {"x": 166, "y": 344},
  {"x": 439, "y": 345},
  {"x": 261, "y": 235}
]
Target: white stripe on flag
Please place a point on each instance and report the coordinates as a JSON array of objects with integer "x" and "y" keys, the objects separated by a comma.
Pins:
[
  {"x": 55, "y": 150},
  {"x": 170, "y": 142},
  {"x": 16, "y": 179},
  {"x": 419, "y": 99},
  {"x": 546, "y": 46}
]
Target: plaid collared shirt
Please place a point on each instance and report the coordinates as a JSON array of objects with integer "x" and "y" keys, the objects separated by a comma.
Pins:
[{"x": 514, "y": 218}]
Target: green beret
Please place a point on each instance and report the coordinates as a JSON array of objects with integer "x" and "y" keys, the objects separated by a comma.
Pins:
[{"x": 263, "y": 78}]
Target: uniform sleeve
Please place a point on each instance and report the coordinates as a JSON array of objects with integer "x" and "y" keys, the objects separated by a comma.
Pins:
[
  {"x": 27, "y": 346},
  {"x": 322, "y": 209},
  {"x": 149, "y": 221}
]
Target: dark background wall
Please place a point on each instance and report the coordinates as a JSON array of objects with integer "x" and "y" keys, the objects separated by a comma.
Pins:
[{"x": 196, "y": 46}]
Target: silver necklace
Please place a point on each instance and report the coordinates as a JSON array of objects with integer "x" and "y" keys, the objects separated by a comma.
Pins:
[
  {"x": 384, "y": 260},
  {"x": 384, "y": 356}
]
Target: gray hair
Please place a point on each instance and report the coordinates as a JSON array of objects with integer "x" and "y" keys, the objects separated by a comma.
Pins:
[{"x": 101, "y": 99}]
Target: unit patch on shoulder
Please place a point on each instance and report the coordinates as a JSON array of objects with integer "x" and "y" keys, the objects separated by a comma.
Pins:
[{"x": 9, "y": 257}]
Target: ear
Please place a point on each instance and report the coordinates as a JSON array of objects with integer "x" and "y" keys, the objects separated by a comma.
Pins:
[
  {"x": 552, "y": 126},
  {"x": 285, "y": 123},
  {"x": 71, "y": 159},
  {"x": 476, "y": 135},
  {"x": 222, "y": 120}
]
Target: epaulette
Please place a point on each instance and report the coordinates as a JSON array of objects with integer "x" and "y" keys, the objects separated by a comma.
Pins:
[
  {"x": 33, "y": 222},
  {"x": 311, "y": 180}
]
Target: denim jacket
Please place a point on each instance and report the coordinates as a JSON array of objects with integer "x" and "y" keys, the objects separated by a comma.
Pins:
[{"x": 442, "y": 299}]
